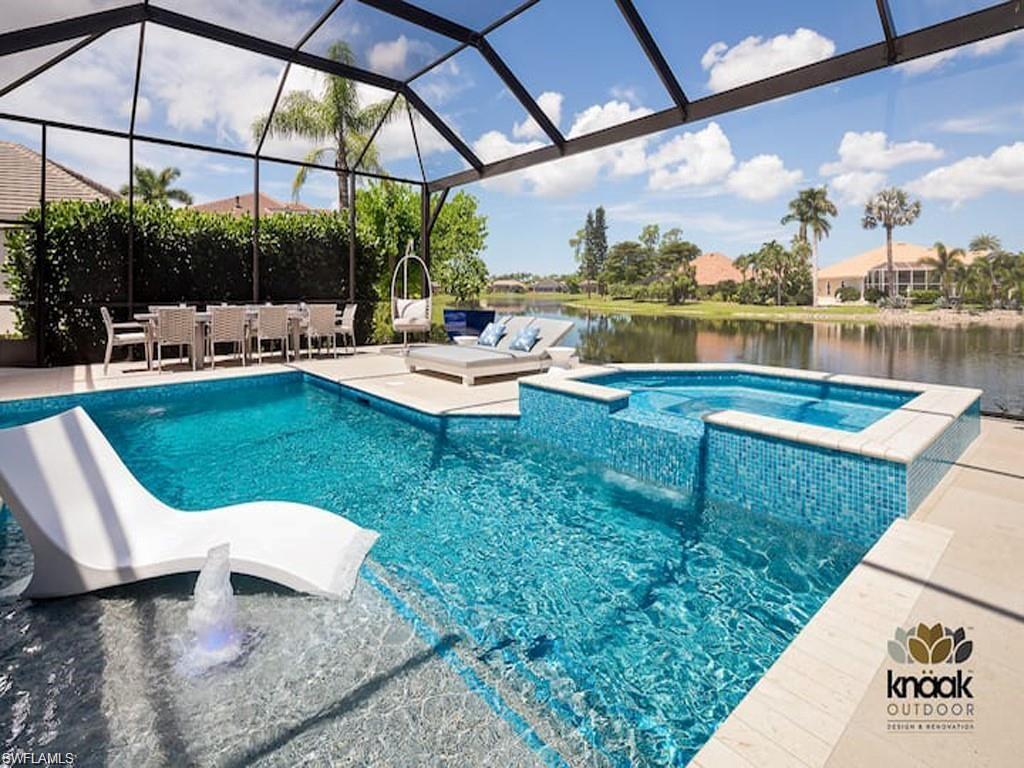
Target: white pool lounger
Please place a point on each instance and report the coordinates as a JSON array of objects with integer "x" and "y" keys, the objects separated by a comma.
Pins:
[{"x": 92, "y": 525}]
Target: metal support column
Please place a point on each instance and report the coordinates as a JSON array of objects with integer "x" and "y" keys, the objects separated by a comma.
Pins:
[
  {"x": 425, "y": 232},
  {"x": 40, "y": 265},
  {"x": 352, "y": 237},
  {"x": 256, "y": 230}
]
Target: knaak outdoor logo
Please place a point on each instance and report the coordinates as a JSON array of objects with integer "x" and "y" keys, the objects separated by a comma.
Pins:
[{"x": 935, "y": 693}]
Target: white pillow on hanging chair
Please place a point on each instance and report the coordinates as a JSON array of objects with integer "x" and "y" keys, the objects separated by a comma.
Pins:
[{"x": 412, "y": 309}]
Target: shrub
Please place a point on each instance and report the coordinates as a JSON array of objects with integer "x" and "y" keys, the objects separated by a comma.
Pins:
[
  {"x": 847, "y": 293},
  {"x": 873, "y": 295},
  {"x": 179, "y": 255},
  {"x": 893, "y": 302},
  {"x": 925, "y": 296}
]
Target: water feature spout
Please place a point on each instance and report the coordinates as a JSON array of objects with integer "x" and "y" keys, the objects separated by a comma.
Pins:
[{"x": 215, "y": 638}]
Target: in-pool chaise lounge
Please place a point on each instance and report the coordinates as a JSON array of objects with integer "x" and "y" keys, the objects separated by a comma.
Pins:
[
  {"x": 475, "y": 362},
  {"x": 92, "y": 525}
]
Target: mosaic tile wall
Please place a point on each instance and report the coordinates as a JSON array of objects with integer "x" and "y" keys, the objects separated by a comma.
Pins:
[
  {"x": 645, "y": 445},
  {"x": 930, "y": 467},
  {"x": 844, "y": 493},
  {"x": 833, "y": 491}
]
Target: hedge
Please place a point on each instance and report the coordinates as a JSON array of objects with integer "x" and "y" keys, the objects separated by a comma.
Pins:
[{"x": 179, "y": 255}]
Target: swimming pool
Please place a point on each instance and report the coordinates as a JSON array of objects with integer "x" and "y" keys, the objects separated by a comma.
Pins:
[
  {"x": 634, "y": 616},
  {"x": 695, "y": 394}
]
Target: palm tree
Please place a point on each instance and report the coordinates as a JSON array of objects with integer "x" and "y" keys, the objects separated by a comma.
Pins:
[
  {"x": 945, "y": 262},
  {"x": 155, "y": 186},
  {"x": 811, "y": 208},
  {"x": 991, "y": 249},
  {"x": 890, "y": 208},
  {"x": 335, "y": 122}
]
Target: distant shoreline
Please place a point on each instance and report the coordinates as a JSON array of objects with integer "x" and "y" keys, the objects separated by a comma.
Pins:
[{"x": 720, "y": 310}]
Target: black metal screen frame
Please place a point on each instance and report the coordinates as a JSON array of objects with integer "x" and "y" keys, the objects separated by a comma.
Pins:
[{"x": 81, "y": 31}]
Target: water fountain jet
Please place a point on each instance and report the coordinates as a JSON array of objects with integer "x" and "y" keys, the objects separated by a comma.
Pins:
[{"x": 215, "y": 638}]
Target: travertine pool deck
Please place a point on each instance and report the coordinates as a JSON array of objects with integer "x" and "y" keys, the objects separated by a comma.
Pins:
[{"x": 958, "y": 560}]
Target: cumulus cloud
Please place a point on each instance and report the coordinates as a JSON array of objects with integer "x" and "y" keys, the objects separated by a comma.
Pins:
[
  {"x": 693, "y": 159},
  {"x": 762, "y": 178},
  {"x": 872, "y": 151},
  {"x": 972, "y": 177},
  {"x": 392, "y": 57},
  {"x": 572, "y": 174},
  {"x": 550, "y": 103},
  {"x": 980, "y": 49},
  {"x": 755, "y": 58},
  {"x": 857, "y": 187},
  {"x": 864, "y": 157}
]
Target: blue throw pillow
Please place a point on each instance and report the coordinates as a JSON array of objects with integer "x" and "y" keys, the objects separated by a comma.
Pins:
[
  {"x": 492, "y": 335},
  {"x": 525, "y": 339}
]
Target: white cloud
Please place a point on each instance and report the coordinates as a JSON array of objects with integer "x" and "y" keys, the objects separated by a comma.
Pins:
[
  {"x": 755, "y": 58},
  {"x": 694, "y": 159},
  {"x": 391, "y": 57},
  {"x": 865, "y": 157},
  {"x": 762, "y": 178},
  {"x": 550, "y": 103},
  {"x": 857, "y": 187},
  {"x": 572, "y": 174},
  {"x": 624, "y": 93},
  {"x": 980, "y": 49},
  {"x": 872, "y": 151},
  {"x": 974, "y": 176},
  {"x": 998, "y": 120}
]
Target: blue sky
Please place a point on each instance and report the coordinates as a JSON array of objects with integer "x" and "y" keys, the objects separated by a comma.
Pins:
[{"x": 948, "y": 128}]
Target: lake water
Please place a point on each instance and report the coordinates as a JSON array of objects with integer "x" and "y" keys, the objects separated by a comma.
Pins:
[{"x": 991, "y": 359}]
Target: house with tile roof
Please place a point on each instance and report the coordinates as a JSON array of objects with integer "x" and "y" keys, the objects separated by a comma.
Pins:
[
  {"x": 240, "y": 205},
  {"x": 20, "y": 172},
  {"x": 710, "y": 269},
  {"x": 868, "y": 270}
]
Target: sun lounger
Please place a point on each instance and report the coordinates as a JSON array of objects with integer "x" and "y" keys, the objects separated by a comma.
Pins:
[
  {"x": 92, "y": 525},
  {"x": 475, "y": 362}
]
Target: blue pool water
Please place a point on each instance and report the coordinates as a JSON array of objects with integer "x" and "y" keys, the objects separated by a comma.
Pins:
[
  {"x": 693, "y": 395},
  {"x": 629, "y": 614}
]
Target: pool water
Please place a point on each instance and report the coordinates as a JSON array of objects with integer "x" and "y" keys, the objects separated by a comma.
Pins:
[
  {"x": 636, "y": 616},
  {"x": 693, "y": 395}
]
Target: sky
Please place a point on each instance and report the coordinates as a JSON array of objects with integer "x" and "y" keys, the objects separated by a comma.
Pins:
[{"x": 948, "y": 128}]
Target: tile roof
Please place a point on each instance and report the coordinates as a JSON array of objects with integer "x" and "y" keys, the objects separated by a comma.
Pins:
[
  {"x": 905, "y": 254},
  {"x": 19, "y": 182},
  {"x": 713, "y": 268},
  {"x": 242, "y": 204}
]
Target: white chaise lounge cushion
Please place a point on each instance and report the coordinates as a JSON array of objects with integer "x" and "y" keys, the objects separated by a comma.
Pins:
[{"x": 91, "y": 524}]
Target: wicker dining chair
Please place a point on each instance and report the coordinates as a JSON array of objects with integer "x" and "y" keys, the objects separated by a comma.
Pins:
[
  {"x": 175, "y": 326},
  {"x": 346, "y": 326},
  {"x": 123, "y": 335},
  {"x": 271, "y": 325},
  {"x": 227, "y": 326},
  {"x": 320, "y": 325}
]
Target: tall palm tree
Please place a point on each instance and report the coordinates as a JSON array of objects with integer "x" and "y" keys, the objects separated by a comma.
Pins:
[
  {"x": 335, "y": 122},
  {"x": 155, "y": 186},
  {"x": 811, "y": 208},
  {"x": 945, "y": 262},
  {"x": 991, "y": 250},
  {"x": 890, "y": 208}
]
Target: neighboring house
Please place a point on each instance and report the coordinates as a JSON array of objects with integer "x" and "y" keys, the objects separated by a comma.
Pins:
[
  {"x": 508, "y": 286},
  {"x": 549, "y": 285},
  {"x": 19, "y": 193},
  {"x": 710, "y": 269},
  {"x": 869, "y": 270},
  {"x": 589, "y": 286},
  {"x": 240, "y": 205}
]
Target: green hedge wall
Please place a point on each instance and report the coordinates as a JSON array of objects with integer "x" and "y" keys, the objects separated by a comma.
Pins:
[{"x": 179, "y": 255}]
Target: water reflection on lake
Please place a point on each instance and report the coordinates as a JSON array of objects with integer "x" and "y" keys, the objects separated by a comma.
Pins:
[{"x": 989, "y": 358}]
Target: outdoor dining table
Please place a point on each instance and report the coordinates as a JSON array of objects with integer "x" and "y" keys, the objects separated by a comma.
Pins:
[{"x": 296, "y": 319}]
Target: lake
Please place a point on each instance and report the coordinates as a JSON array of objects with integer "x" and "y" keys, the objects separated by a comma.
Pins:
[{"x": 989, "y": 358}]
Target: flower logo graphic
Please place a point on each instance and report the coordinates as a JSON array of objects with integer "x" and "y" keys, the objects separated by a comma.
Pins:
[{"x": 930, "y": 645}]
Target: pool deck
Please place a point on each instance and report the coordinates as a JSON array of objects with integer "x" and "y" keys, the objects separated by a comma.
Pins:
[{"x": 958, "y": 560}]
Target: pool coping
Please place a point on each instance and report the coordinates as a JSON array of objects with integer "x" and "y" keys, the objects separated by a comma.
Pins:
[{"x": 900, "y": 436}]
